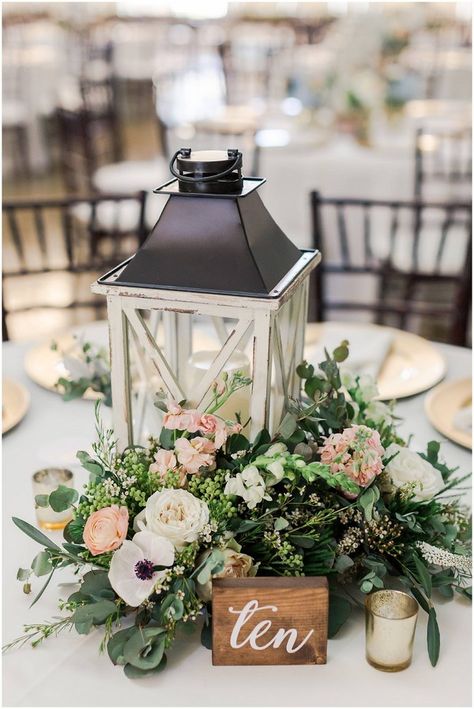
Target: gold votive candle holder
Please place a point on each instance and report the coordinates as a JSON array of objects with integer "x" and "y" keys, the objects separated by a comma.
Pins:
[
  {"x": 44, "y": 482},
  {"x": 390, "y": 622}
]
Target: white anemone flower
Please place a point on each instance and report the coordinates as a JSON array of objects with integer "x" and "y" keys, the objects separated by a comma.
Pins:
[{"x": 132, "y": 572}]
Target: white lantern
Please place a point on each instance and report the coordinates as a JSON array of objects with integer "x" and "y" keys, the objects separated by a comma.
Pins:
[{"x": 217, "y": 287}]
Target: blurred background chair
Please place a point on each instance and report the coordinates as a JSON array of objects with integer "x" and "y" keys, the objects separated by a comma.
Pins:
[
  {"x": 443, "y": 164},
  {"x": 405, "y": 264},
  {"x": 50, "y": 257}
]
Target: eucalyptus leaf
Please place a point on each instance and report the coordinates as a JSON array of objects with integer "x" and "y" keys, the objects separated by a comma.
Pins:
[
  {"x": 420, "y": 598},
  {"x": 89, "y": 464},
  {"x": 343, "y": 563},
  {"x": 133, "y": 672},
  {"x": 35, "y": 534},
  {"x": 23, "y": 574},
  {"x": 367, "y": 501},
  {"x": 42, "y": 500},
  {"x": 93, "y": 614},
  {"x": 280, "y": 523},
  {"x": 62, "y": 498},
  {"x": 433, "y": 638},
  {"x": 423, "y": 575},
  {"x": 145, "y": 648},
  {"x": 41, "y": 564}
]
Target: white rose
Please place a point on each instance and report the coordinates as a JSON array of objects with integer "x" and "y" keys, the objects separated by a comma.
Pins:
[
  {"x": 408, "y": 468},
  {"x": 174, "y": 514},
  {"x": 236, "y": 565}
]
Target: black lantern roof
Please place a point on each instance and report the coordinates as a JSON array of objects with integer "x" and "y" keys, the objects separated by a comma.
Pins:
[{"x": 214, "y": 234}]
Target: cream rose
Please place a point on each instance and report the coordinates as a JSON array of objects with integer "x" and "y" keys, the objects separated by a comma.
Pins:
[
  {"x": 236, "y": 565},
  {"x": 409, "y": 468},
  {"x": 106, "y": 529},
  {"x": 174, "y": 514}
]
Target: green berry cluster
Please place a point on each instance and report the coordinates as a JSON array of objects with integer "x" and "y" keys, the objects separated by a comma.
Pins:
[
  {"x": 187, "y": 556},
  {"x": 95, "y": 498},
  {"x": 210, "y": 488}
]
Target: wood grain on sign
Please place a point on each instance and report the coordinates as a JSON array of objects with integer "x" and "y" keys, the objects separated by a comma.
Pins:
[{"x": 269, "y": 621}]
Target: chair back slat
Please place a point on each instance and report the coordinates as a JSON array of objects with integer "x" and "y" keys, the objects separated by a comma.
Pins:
[
  {"x": 40, "y": 233},
  {"x": 73, "y": 235},
  {"x": 443, "y": 160},
  {"x": 406, "y": 253},
  {"x": 16, "y": 237},
  {"x": 367, "y": 237},
  {"x": 341, "y": 222},
  {"x": 447, "y": 222}
]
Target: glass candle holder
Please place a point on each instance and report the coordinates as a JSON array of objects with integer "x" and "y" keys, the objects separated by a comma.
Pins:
[
  {"x": 44, "y": 482},
  {"x": 390, "y": 622}
]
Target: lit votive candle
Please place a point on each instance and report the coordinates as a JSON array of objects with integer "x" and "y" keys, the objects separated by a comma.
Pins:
[
  {"x": 390, "y": 622},
  {"x": 200, "y": 363},
  {"x": 45, "y": 482}
]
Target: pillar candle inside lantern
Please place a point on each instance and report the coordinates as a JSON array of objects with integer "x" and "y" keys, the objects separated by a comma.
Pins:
[{"x": 239, "y": 402}]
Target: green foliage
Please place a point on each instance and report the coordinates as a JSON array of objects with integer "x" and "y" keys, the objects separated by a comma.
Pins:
[
  {"x": 433, "y": 637},
  {"x": 340, "y": 610}
]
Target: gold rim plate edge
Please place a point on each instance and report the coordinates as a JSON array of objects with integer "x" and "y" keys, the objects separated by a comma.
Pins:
[
  {"x": 15, "y": 403},
  {"x": 449, "y": 397}
]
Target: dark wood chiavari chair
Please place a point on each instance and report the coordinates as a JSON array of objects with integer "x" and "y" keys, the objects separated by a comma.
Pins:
[
  {"x": 89, "y": 133},
  {"x": 416, "y": 255},
  {"x": 50, "y": 256},
  {"x": 443, "y": 162}
]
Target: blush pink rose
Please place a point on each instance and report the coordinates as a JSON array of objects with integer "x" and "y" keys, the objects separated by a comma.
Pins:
[
  {"x": 210, "y": 425},
  {"x": 164, "y": 461},
  {"x": 195, "y": 453},
  {"x": 106, "y": 529},
  {"x": 177, "y": 418}
]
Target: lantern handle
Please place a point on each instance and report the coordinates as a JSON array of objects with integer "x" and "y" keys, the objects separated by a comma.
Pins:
[{"x": 209, "y": 178}]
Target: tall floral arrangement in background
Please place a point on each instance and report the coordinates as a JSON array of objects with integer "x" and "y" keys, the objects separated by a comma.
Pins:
[{"x": 335, "y": 492}]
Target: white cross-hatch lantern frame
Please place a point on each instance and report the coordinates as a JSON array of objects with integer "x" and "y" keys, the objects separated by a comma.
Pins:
[{"x": 275, "y": 325}]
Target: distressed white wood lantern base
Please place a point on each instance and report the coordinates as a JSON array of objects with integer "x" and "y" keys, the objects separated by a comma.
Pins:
[{"x": 270, "y": 329}]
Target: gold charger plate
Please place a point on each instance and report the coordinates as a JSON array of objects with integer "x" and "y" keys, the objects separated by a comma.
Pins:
[
  {"x": 443, "y": 403},
  {"x": 44, "y": 365},
  {"x": 15, "y": 404},
  {"x": 412, "y": 365}
]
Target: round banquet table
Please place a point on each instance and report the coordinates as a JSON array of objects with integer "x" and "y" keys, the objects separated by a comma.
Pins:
[{"x": 69, "y": 671}]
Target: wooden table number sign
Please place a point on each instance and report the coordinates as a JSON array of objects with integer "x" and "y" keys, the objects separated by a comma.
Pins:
[{"x": 270, "y": 621}]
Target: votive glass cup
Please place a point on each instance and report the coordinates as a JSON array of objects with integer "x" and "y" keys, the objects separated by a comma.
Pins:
[
  {"x": 390, "y": 622},
  {"x": 44, "y": 482}
]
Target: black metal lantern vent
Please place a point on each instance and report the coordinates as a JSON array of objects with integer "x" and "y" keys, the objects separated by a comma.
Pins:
[{"x": 214, "y": 234}]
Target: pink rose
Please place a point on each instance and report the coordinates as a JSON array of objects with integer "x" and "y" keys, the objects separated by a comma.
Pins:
[
  {"x": 195, "y": 453},
  {"x": 177, "y": 418},
  {"x": 106, "y": 529},
  {"x": 164, "y": 461},
  {"x": 210, "y": 425}
]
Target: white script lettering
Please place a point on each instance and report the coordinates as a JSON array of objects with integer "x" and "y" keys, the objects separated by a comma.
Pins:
[{"x": 246, "y": 613}]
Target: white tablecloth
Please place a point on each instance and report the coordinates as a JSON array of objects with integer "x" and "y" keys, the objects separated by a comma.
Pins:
[{"x": 68, "y": 670}]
